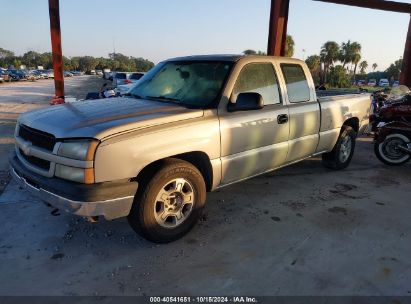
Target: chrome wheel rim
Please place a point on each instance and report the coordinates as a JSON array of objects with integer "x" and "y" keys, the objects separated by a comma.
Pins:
[
  {"x": 174, "y": 203},
  {"x": 345, "y": 149},
  {"x": 391, "y": 151}
]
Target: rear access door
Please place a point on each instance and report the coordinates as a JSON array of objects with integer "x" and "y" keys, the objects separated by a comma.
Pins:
[{"x": 304, "y": 111}]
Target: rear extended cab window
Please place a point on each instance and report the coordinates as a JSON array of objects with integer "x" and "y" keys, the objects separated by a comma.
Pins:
[
  {"x": 298, "y": 89},
  {"x": 258, "y": 78}
]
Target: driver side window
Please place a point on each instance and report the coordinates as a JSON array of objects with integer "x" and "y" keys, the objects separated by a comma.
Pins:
[{"x": 258, "y": 78}]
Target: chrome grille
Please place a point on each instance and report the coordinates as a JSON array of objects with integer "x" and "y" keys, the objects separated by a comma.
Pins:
[
  {"x": 38, "y": 162},
  {"x": 37, "y": 138}
]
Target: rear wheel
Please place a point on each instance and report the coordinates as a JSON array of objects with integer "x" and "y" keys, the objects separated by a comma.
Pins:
[
  {"x": 340, "y": 157},
  {"x": 170, "y": 203},
  {"x": 388, "y": 151}
]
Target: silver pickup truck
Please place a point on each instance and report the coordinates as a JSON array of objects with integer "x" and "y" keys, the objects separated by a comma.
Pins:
[{"x": 191, "y": 125}]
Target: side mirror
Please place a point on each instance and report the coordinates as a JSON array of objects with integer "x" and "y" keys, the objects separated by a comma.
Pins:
[{"x": 246, "y": 102}]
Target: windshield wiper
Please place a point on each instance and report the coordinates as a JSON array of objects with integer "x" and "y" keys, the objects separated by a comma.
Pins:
[{"x": 163, "y": 98}]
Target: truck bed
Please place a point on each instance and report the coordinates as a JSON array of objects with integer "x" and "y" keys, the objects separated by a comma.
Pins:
[{"x": 340, "y": 92}]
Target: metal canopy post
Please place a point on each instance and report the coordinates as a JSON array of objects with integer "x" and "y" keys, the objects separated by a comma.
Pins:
[
  {"x": 54, "y": 12},
  {"x": 405, "y": 77},
  {"x": 277, "y": 36}
]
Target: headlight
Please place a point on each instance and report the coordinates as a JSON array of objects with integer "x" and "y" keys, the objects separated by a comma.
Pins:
[
  {"x": 80, "y": 150},
  {"x": 79, "y": 175}
]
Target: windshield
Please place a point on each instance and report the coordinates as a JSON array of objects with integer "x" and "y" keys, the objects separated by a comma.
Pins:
[
  {"x": 120, "y": 76},
  {"x": 190, "y": 83},
  {"x": 399, "y": 92},
  {"x": 136, "y": 76}
]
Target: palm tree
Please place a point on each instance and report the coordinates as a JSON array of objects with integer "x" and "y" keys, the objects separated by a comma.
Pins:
[
  {"x": 314, "y": 64},
  {"x": 345, "y": 55},
  {"x": 330, "y": 53},
  {"x": 356, "y": 59},
  {"x": 363, "y": 66},
  {"x": 374, "y": 66}
]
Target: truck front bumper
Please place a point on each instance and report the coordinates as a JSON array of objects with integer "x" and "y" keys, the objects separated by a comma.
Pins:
[{"x": 111, "y": 199}]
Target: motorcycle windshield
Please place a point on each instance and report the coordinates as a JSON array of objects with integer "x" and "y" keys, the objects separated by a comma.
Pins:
[{"x": 399, "y": 92}]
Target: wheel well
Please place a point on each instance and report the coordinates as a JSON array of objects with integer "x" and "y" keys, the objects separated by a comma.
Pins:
[
  {"x": 353, "y": 123},
  {"x": 198, "y": 159}
]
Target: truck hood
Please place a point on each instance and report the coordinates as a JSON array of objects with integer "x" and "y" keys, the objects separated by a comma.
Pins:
[{"x": 104, "y": 117}]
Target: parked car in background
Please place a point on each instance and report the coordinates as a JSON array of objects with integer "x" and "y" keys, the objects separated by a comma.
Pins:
[
  {"x": 43, "y": 74},
  {"x": 17, "y": 74},
  {"x": 76, "y": 73},
  {"x": 360, "y": 82},
  {"x": 50, "y": 73},
  {"x": 92, "y": 72},
  {"x": 33, "y": 74},
  {"x": 134, "y": 77},
  {"x": 13, "y": 75},
  {"x": 6, "y": 77},
  {"x": 120, "y": 78},
  {"x": 372, "y": 82},
  {"x": 384, "y": 83},
  {"x": 107, "y": 73},
  {"x": 67, "y": 74},
  {"x": 396, "y": 83},
  {"x": 99, "y": 72}
]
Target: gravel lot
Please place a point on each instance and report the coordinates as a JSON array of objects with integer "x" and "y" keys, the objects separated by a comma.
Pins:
[{"x": 302, "y": 230}]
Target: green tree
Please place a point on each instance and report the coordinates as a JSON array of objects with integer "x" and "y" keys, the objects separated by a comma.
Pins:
[
  {"x": 31, "y": 58},
  {"x": 75, "y": 63},
  {"x": 394, "y": 70},
  {"x": 338, "y": 77},
  {"x": 252, "y": 52},
  {"x": 374, "y": 66},
  {"x": 345, "y": 55},
  {"x": 363, "y": 67},
  {"x": 289, "y": 46},
  {"x": 87, "y": 63},
  {"x": 356, "y": 59},
  {"x": 314, "y": 64},
  {"x": 249, "y": 52},
  {"x": 330, "y": 53},
  {"x": 142, "y": 65},
  {"x": 5, "y": 53}
]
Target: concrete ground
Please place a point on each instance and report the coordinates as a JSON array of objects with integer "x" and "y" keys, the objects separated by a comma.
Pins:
[
  {"x": 19, "y": 97},
  {"x": 302, "y": 230}
]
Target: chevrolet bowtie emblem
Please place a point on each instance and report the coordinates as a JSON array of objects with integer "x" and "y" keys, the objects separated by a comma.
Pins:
[{"x": 26, "y": 148}]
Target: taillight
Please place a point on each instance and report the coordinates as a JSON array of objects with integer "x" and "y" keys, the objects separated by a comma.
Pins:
[{"x": 127, "y": 81}]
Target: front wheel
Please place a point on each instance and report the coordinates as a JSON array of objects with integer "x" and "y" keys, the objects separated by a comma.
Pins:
[
  {"x": 388, "y": 151},
  {"x": 340, "y": 157},
  {"x": 170, "y": 203}
]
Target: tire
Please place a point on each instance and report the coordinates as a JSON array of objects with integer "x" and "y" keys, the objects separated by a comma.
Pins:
[
  {"x": 387, "y": 153},
  {"x": 169, "y": 203},
  {"x": 340, "y": 157}
]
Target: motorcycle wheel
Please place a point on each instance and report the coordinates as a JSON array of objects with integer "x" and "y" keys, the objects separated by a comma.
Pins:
[{"x": 388, "y": 152}]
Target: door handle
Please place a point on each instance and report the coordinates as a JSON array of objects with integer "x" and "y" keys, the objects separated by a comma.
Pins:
[{"x": 282, "y": 119}]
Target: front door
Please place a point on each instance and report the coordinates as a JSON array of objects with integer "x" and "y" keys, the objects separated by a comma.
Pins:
[{"x": 256, "y": 141}]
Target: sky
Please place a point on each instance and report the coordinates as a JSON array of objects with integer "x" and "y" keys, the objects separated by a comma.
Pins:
[{"x": 160, "y": 29}]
